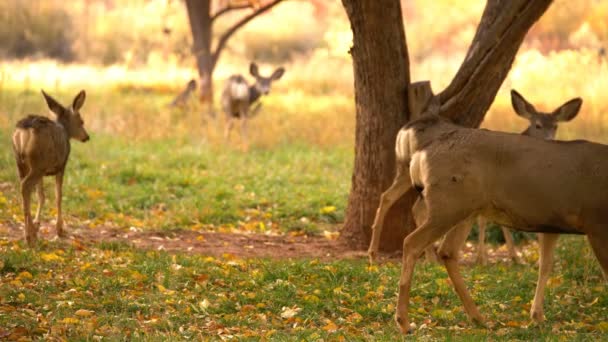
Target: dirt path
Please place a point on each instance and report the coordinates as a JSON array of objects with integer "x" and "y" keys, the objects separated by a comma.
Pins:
[
  {"x": 237, "y": 244},
  {"x": 207, "y": 243}
]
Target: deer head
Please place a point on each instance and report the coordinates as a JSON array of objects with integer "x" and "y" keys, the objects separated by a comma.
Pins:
[
  {"x": 544, "y": 125},
  {"x": 262, "y": 84},
  {"x": 69, "y": 117}
]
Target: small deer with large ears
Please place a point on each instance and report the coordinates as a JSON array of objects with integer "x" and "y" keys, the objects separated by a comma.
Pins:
[
  {"x": 42, "y": 147},
  {"x": 238, "y": 97}
]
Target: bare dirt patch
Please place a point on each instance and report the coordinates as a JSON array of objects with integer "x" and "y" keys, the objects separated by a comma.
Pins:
[
  {"x": 242, "y": 245},
  {"x": 206, "y": 243}
]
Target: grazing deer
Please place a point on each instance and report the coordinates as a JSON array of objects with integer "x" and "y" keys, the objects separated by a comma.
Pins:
[
  {"x": 542, "y": 126},
  {"x": 182, "y": 98},
  {"x": 518, "y": 181},
  {"x": 238, "y": 97},
  {"x": 42, "y": 147}
]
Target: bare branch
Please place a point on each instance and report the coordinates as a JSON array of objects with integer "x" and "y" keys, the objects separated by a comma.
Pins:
[
  {"x": 229, "y": 8},
  {"x": 224, "y": 38}
]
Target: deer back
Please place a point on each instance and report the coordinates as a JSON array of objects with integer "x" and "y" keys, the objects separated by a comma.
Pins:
[{"x": 42, "y": 144}]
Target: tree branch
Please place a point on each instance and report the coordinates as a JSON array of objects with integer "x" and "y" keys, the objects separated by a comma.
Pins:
[
  {"x": 224, "y": 38},
  {"x": 499, "y": 35},
  {"x": 227, "y": 9}
]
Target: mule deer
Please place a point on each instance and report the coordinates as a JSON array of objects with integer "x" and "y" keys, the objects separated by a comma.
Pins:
[
  {"x": 542, "y": 126},
  {"x": 42, "y": 147},
  {"x": 182, "y": 98},
  {"x": 518, "y": 181},
  {"x": 238, "y": 97}
]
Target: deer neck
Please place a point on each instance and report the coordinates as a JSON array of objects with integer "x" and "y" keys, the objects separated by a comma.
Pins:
[
  {"x": 63, "y": 131},
  {"x": 254, "y": 94}
]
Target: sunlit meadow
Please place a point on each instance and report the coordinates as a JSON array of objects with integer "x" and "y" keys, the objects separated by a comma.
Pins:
[{"x": 152, "y": 167}]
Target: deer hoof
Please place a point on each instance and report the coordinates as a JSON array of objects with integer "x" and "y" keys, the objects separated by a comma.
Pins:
[
  {"x": 538, "y": 316},
  {"x": 403, "y": 325}
]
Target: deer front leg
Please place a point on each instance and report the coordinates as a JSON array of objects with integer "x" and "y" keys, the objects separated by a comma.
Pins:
[
  {"x": 40, "y": 193},
  {"x": 229, "y": 124},
  {"x": 58, "y": 195},
  {"x": 244, "y": 131},
  {"x": 413, "y": 245},
  {"x": 510, "y": 245},
  {"x": 482, "y": 252},
  {"x": 449, "y": 253},
  {"x": 400, "y": 185},
  {"x": 27, "y": 185},
  {"x": 547, "y": 244}
]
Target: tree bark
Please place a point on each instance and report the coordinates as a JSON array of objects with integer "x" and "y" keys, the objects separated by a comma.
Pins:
[
  {"x": 381, "y": 70},
  {"x": 381, "y": 78},
  {"x": 199, "y": 15}
]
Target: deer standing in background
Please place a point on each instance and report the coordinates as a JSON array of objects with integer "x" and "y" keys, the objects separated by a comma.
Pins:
[
  {"x": 238, "y": 97},
  {"x": 525, "y": 183},
  {"x": 182, "y": 98},
  {"x": 542, "y": 126},
  {"x": 42, "y": 147}
]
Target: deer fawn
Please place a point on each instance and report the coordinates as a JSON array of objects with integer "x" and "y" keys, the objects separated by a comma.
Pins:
[
  {"x": 238, "y": 97},
  {"x": 42, "y": 147},
  {"x": 521, "y": 182},
  {"x": 542, "y": 126},
  {"x": 182, "y": 98}
]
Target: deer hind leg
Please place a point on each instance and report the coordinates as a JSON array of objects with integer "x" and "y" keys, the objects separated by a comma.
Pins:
[
  {"x": 419, "y": 213},
  {"x": 449, "y": 253},
  {"x": 27, "y": 186},
  {"x": 598, "y": 244},
  {"x": 547, "y": 244},
  {"x": 400, "y": 185},
  {"x": 58, "y": 195},
  {"x": 482, "y": 252},
  {"x": 40, "y": 193},
  {"x": 438, "y": 223},
  {"x": 510, "y": 245}
]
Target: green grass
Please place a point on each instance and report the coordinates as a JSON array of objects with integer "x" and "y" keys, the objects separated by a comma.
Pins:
[
  {"x": 170, "y": 183},
  {"x": 149, "y": 168},
  {"x": 113, "y": 291}
]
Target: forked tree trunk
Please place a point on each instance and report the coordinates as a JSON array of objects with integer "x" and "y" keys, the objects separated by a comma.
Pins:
[
  {"x": 201, "y": 25},
  {"x": 381, "y": 78},
  {"x": 381, "y": 71}
]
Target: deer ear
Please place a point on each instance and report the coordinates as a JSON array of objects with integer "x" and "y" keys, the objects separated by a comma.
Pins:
[
  {"x": 568, "y": 110},
  {"x": 253, "y": 69},
  {"x": 53, "y": 105},
  {"x": 522, "y": 107},
  {"x": 79, "y": 100},
  {"x": 277, "y": 74}
]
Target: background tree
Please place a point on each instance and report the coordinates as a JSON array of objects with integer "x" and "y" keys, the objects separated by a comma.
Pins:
[
  {"x": 201, "y": 21},
  {"x": 381, "y": 72}
]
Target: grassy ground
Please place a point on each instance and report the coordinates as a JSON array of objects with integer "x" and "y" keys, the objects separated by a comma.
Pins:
[
  {"x": 157, "y": 178},
  {"x": 114, "y": 292},
  {"x": 154, "y": 168}
]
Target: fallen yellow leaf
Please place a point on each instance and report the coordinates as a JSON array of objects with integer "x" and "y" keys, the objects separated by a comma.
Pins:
[{"x": 84, "y": 313}]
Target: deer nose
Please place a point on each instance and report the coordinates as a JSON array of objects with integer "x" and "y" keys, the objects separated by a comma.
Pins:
[{"x": 86, "y": 138}]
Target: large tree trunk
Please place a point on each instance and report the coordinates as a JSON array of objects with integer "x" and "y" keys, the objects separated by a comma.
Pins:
[
  {"x": 381, "y": 77},
  {"x": 199, "y": 15},
  {"x": 381, "y": 71}
]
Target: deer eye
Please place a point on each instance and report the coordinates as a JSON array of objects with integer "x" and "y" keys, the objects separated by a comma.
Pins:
[{"x": 539, "y": 126}]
